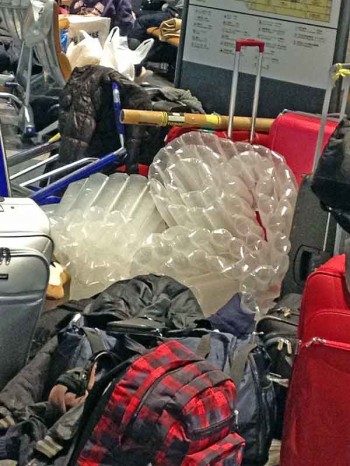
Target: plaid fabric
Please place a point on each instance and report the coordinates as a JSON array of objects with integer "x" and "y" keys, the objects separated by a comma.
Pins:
[
  {"x": 226, "y": 452},
  {"x": 171, "y": 406}
]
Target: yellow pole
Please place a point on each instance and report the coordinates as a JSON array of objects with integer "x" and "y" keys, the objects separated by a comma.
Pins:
[{"x": 217, "y": 122}]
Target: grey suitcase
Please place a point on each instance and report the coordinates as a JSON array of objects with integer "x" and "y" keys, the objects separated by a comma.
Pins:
[
  {"x": 25, "y": 255},
  {"x": 24, "y": 225}
]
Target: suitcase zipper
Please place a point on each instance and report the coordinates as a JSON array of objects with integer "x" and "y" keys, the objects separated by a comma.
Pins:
[
  {"x": 6, "y": 255},
  {"x": 323, "y": 342},
  {"x": 278, "y": 319},
  {"x": 286, "y": 311},
  {"x": 29, "y": 235},
  {"x": 281, "y": 342},
  {"x": 314, "y": 341}
]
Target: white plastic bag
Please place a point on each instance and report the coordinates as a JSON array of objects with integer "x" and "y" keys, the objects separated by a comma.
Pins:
[
  {"x": 86, "y": 52},
  {"x": 117, "y": 55}
]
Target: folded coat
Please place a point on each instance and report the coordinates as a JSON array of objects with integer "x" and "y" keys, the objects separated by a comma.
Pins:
[
  {"x": 87, "y": 120},
  {"x": 170, "y": 29}
]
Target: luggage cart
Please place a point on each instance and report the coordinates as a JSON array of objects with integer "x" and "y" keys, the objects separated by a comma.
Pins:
[
  {"x": 72, "y": 172},
  {"x": 81, "y": 169},
  {"x": 34, "y": 27}
]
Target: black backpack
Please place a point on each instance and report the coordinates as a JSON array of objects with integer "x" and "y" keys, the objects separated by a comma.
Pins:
[
  {"x": 279, "y": 335},
  {"x": 331, "y": 180}
]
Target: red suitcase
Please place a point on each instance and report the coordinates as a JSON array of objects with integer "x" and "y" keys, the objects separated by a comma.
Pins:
[
  {"x": 290, "y": 132},
  {"x": 317, "y": 418},
  {"x": 294, "y": 135}
]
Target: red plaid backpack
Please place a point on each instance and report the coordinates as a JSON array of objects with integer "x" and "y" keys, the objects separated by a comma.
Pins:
[{"x": 169, "y": 408}]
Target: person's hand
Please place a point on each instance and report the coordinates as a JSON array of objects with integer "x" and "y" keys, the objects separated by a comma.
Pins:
[
  {"x": 56, "y": 397},
  {"x": 65, "y": 400},
  {"x": 133, "y": 15}
]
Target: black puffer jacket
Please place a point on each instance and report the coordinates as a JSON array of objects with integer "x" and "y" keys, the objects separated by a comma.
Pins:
[{"x": 87, "y": 120}]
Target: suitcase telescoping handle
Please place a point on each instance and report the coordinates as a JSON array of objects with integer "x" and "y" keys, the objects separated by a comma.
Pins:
[{"x": 241, "y": 43}]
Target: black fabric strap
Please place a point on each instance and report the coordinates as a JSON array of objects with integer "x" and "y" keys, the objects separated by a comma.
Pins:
[
  {"x": 239, "y": 362},
  {"x": 95, "y": 340},
  {"x": 134, "y": 346}
]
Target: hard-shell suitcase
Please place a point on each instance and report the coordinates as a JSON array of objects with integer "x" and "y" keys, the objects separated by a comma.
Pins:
[
  {"x": 314, "y": 235},
  {"x": 310, "y": 245},
  {"x": 25, "y": 255},
  {"x": 294, "y": 135},
  {"x": 24, "y": 225},
  {"x": 317, "y": 428}
]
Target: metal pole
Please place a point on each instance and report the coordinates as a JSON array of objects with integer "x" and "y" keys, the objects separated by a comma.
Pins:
[
  {"x": 29, "y": 77},
  {"x": 180, "y": 52},
  {"x": 59, "y": 170},
  {"x": 233, "y": 95},
  {"x": 345, "y": 92},
  {"x": 325, "y": 110},
  {"x": 34, "y": 167},
  {"x": 117, "y": 157},
  {"x": 31, "y": 153},
  {"x": 256, "y": 98},
  {"x": 5, "y": 186},
  {"x": 8, "y": 96}
]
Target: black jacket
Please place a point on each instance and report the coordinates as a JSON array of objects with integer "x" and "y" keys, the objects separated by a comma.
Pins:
[
  {"x": 159, "y": 298},
  {"x": 87, "y": 120}
]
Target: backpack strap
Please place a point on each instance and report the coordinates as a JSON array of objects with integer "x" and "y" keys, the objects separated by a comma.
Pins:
[
  {"x": 204, "y": 347},
  {"x": 98, "y": 398},
  {"x": 239, "y": 362},
  {"x": 95, "y": 340}
]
